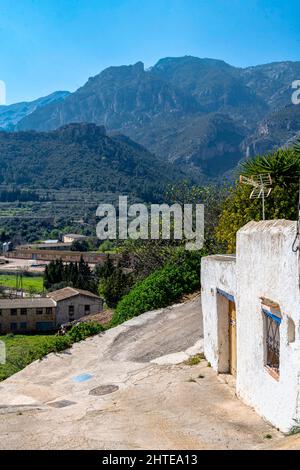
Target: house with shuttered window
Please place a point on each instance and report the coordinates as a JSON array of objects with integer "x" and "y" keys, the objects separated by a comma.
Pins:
[{"x": 251, "y": 316}]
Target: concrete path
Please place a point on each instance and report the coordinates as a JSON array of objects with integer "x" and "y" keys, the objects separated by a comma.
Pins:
[{"x": 153, "y": 400}]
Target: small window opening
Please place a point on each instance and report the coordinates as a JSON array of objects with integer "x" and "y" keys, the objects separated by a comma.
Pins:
[{"x": 291, "y": 331}]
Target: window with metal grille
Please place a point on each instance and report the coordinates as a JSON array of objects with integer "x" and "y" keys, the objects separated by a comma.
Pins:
[{"x": 272, "y": 340}]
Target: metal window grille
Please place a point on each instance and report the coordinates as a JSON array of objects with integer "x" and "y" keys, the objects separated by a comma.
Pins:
[{"x": 272, "y": 341}]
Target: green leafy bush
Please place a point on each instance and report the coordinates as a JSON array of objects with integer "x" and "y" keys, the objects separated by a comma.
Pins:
[
  {"x": 161, "y": 288},
  {"x": 83, "y": 331},
  {"x": 61, "y": 343}
]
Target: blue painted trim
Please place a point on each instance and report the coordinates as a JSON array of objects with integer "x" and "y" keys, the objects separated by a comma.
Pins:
[
  {"x": 269, "y": 314},
  {"x": 225, "y": 294}
]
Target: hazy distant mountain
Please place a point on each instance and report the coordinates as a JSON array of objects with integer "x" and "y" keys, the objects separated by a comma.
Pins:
[
  {"x": 203, "y": 113},
  {"x": 10, "y": 115},
  {"x": 82, "y": 156}
]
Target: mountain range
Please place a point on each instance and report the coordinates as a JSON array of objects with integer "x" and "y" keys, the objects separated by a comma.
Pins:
[{"x": 202, "y": 114}]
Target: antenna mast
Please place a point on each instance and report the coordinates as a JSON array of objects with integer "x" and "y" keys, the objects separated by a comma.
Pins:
[{"x": 261, "y": 188}]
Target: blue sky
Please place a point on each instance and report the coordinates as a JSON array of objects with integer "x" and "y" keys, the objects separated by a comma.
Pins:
[{"x": 49, "y": 45}]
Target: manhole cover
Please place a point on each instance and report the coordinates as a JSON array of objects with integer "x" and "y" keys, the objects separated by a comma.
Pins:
[
  {"x": 61, "y": 403},
  {"x": 104, "y": 390}
]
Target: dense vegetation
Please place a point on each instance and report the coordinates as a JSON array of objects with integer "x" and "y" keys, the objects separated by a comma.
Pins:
[
  {"x": 113, "y": 282},
  {"x": 21, "y": 350},
  {"x": 12, "y": 195},
  {"x": 161, "y": 288},
  {"x": 82, "y": 156},
  {"x": 58, "y": 275}
]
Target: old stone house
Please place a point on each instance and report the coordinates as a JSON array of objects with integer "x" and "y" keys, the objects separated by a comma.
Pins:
[
  {"x": 72, "y": 304},
  {"x": 48, "y": 313},
  {"x": 251, "y": 316},
  {"x": 21, "y": 315}
]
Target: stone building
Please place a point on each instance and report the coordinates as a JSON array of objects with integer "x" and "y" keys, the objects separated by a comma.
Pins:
[
  {"x": 72, "y": 304},
  {"x": 48, "y": 313},
  {"x": 251, "y": 316},
  {"x": 22, "y": 315}
]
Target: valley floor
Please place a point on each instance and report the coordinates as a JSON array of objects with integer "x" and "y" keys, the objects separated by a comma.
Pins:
[{"x": 159, "y": 402}]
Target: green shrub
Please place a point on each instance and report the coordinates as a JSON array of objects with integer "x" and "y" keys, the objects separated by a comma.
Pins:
[
  {"x": 84, "y": 330},
  {"x": 162, "y": 287},
  {"x": 61, "y": 343}
]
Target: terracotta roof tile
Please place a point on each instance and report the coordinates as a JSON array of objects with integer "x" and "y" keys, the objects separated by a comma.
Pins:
[{"x": 68, "y": 292}]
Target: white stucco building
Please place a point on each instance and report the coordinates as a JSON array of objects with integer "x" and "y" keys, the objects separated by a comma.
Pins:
[{"x": 251, "y": 317}]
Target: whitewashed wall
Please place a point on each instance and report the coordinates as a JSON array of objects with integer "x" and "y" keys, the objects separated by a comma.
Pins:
[
  {"x": 267, "y": 267},
  {"x": 217, "y": 272}
]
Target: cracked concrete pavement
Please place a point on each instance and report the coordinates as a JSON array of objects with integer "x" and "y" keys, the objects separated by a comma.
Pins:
[{"x": 160, "y": 403}]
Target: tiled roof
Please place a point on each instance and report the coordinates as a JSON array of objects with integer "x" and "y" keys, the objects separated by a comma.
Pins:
[
  {"x": 68, "y": 292},
  {"x": 40, "y": 302}
]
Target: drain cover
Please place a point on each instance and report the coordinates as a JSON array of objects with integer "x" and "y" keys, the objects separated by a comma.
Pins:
[
  {"x": 61, "y": 403},
  {"x": 104, "y": 390}
]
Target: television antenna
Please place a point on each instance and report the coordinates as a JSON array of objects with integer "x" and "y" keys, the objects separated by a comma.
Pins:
[{"x": 261, "y": 188}]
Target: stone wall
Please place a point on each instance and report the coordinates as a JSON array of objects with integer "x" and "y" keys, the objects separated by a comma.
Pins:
[{"x": 78, "y": 302}]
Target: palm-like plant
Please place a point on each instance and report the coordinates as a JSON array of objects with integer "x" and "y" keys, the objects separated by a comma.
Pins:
[
  {"x": 297, "y": 148},
  {"x": 284, "y": 163}
]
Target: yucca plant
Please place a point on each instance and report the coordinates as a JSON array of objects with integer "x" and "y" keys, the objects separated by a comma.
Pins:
[
  {"x": 284, "y": 163},
  {"x": 297, "y": 148}
]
